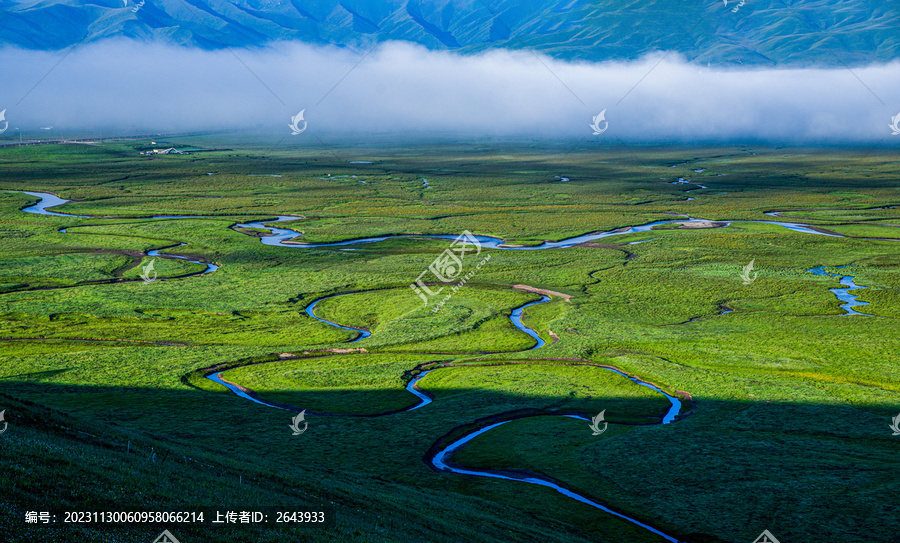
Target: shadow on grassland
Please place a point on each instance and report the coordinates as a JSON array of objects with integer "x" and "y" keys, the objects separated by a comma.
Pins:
[{"x": 806, "y": 472}]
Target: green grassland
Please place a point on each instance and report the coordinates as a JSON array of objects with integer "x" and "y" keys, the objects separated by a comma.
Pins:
[
  {"x": 475, "y": 319},
  {"x": 785, "y": 427}
]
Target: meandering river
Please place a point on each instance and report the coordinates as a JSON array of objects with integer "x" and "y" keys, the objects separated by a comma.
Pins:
[
  {"x": 843, "y": 294},
  {"x": 280, "y": 235},
  {"x": 309, "y": 311},
  {"x": 516, "y": 318},
  {"x": 424, "y": 399},
  {"x": 48, "y": 200},
  {"x": 441, "y": 459}
]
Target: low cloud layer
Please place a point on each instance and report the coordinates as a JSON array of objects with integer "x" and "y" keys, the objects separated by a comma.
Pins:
[{"x": 401, "y": 89}]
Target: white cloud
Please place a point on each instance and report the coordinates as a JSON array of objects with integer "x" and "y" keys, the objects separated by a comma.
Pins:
[{"x": 405, "y": 89}]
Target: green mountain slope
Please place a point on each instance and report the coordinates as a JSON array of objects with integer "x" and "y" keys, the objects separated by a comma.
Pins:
[{"x": 758, "y": 32}]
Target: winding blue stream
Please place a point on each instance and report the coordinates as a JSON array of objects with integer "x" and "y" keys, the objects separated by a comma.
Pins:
[
  {"x": 675, "y": 406},
  {"x": 797, "y": 227},
  {"x": 424, "y": 399},
  {"x": 281, "y": 235},
  {"x": 441, "y": 459},
  {"x": 46, "y": 200},
  {"x": 210, "y": 267},
  {"x": 217, "y": 378},
  {"x": 51, "y": 200},
  {"x": 516, "y": 318},
  {"x": 309, "y": 311},
  {"x": 843, "y": 294}
]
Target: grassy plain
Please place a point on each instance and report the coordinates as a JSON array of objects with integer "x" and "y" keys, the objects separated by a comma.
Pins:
[{"x": 788, "y": 429}]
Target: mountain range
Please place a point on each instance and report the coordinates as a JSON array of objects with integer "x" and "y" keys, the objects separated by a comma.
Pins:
[{"x": 749, "y": 32}]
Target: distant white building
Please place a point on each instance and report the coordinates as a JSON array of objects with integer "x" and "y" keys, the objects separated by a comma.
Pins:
[{"x": 169, "y": 151}]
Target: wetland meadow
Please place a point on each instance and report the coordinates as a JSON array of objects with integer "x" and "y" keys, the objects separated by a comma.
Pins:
[{"x": 505, "y": 342}]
